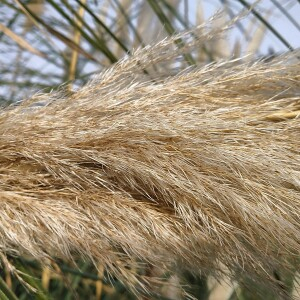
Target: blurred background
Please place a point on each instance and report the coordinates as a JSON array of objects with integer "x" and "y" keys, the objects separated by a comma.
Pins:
[{"x": 44, "y": 44}]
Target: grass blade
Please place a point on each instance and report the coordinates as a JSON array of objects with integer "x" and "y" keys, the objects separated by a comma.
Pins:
[
  {"x": 169, "y": 28},
  {"x": 284, "y": 12},
  {"x": 267, "y": 24},
  {"x": 56, "y": 33},
  {"x": 20, "y": 41},
  {"x": 6, "y": 292},
  {"x": 106, "y": 28}
]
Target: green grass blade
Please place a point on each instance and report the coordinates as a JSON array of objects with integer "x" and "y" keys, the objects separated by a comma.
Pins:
[
  {"x": 3, "y": 296},
  {"x": 135, "y": 32},
  {"x": 181, "y": 20},
  {"x": 287, "y": 15},
  {"x": 267, "y": 24},
  {"x": 57, "y": 34},
  {"x": 31, "y": 280},
  {"x": 231, "y": 15},
  {"x": 10, "y": 23},
  {"x": 106, "y": 28},
  {"x": 175, "y": 13},
  {"x": 75, "y": 282},
  {"x": 96, "y": 42},
  {"x": 6, "y": 292},
  {"x": 169, "y": 28}
]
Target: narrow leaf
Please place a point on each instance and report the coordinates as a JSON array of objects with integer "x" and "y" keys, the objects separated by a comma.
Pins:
[{"x": 20, "y": 41}]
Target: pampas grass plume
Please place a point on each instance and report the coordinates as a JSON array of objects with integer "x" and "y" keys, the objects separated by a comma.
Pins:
[{"x": 190, "y": 170}]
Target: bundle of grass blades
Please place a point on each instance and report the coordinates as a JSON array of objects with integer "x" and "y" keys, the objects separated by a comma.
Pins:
[{"x": 194, "y": 170}]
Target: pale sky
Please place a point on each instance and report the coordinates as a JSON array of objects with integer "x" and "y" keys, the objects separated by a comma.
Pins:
[{"x": 280, "y": 22}]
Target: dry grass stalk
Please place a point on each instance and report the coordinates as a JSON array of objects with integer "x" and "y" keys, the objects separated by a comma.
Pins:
[
  {"x": 76, "y": 38},
  {"x": 20, "y": 41},
  {"x": 187, "y": 171}
]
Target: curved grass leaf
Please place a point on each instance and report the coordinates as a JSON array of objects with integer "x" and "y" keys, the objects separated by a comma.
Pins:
[
  {"x": 6, "y": 292},
  {"x": 267, "y": 24},
  {"x": 57, "y": 34},
  {"x": 169, "y": 28}
]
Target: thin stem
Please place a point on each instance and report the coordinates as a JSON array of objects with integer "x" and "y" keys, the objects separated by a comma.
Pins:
[
  {"x": 288, "y": 16},
  {"x": 77, "y": 36},
  {"x": 267, "y": 24},
  {"x": 6, "y": 290}
]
